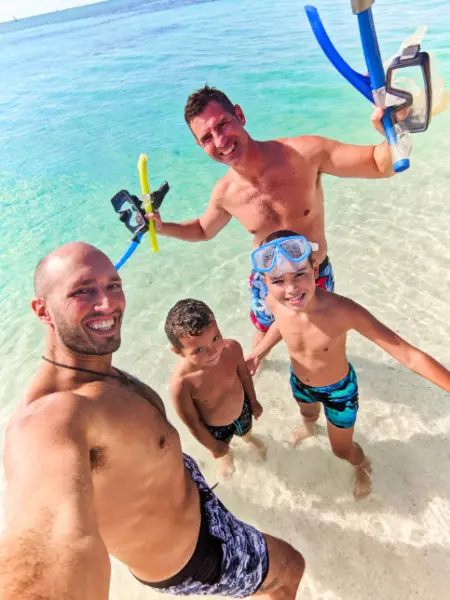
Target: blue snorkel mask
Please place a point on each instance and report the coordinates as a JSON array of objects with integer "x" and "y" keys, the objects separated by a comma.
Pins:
[
  {"x": 131, "y": 213},
  {"x": 382, "y": 89},
  {"x": 283, "y": 255}
]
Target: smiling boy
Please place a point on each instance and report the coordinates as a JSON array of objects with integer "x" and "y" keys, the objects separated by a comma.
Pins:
[
  {"x": 314, "y": 324},
  {"x": 211, "y": 389}
]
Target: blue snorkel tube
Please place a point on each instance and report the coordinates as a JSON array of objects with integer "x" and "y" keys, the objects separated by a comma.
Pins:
[
  {"x": 129, "y": 252},
  {"x": 373, "y": 87}
]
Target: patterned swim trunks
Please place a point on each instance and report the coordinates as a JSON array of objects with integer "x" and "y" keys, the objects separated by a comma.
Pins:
[
  {"x": 260, "y": 314},
  {"x": 340, "y": 400},
  {"x": 230, "y": 558}
]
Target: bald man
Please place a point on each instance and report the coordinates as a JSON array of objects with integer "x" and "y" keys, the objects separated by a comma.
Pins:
[{"x": 106, "y": 468}]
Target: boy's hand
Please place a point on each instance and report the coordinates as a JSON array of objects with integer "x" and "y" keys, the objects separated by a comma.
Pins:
[
  {"x": 156, "y": 217},
  {"x": 252, "y": 362},
  {"x": 257, "y": 409},
  {"x": 221, "y": 449}
]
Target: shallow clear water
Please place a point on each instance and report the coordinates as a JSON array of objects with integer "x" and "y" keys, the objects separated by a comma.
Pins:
[{"x": 84, "y": 92}]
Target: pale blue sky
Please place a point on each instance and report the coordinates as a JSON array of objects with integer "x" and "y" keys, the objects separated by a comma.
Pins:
[{"x": 27, "y": 8}]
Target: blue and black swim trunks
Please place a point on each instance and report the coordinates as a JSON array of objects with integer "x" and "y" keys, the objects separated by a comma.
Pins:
[
  {"x": 340, "y": 400},
  {"x": 231, "y": 557},
  {"x": 241, "y": 426}
]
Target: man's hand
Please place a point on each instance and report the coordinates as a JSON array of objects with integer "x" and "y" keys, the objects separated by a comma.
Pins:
[
  {"x": 378, "y": 114},
  {"x": 156, "y": 218},
  {"x": 257, "y": 409},
  {"x": 220, "y": 449}
]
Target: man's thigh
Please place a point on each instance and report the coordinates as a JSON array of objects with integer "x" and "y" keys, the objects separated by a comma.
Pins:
[{"x": 286, "y": 567}]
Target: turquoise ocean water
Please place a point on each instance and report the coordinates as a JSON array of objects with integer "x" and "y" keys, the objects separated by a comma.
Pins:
[{"x": 85, "y": 91}]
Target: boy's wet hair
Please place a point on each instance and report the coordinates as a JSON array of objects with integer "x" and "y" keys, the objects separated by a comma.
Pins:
[
  {"x": 199, "y": 100},
  {"x": 187, "y": 317},
  {"x": 282, "y": 233}
]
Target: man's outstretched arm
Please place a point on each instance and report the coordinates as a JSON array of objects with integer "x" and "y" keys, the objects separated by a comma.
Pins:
[
  {"x": 201, "y": 229},
  {"x": 51, "y": 548},
  {"x": 349, "y": 160}
]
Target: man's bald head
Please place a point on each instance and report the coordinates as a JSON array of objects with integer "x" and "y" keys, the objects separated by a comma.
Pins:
[
  {"x": 79, "y": 296},
  {"x": 63, "y": 260}
]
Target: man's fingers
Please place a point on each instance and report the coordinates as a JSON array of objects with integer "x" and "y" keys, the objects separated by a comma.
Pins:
[{"x": 402, "y": 114}]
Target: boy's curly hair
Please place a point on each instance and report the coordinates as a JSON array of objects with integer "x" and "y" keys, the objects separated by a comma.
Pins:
[{"x": 187, "y": 317}]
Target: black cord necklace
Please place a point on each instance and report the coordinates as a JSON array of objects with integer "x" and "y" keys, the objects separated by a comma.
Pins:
[{"x": 122, "y": 376}]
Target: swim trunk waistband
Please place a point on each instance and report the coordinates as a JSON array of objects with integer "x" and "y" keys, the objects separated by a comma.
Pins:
[
  {"x": 240, "y": 426},
  {"x": 260, "y": 314},
  {"x": 340, "y": 399},
  {"x": 231, "y": 557}
]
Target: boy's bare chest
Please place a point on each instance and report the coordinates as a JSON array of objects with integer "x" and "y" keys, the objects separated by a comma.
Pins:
[
  {"x": 310, "y": 339},
  {"x": 214, "y": 385}
]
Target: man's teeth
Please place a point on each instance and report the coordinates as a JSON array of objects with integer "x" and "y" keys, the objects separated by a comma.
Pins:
[
  {"x": 103, "y": 325},
  {"x": 230, "y": 150}
]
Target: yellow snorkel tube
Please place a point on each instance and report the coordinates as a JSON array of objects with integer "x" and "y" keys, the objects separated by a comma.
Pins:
[{"x": 147, "y": 199}]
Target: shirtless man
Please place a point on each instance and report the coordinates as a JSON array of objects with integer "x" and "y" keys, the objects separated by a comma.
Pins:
[
  {"x": 95, "y": 444},
  {"x": 270, "y": 185}
]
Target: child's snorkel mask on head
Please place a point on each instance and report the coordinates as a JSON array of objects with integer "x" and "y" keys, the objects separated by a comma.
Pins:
[{"x": 283, "y": 255}]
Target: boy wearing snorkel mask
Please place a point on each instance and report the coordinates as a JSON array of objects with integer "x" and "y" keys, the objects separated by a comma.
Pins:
[
  {"x": 212, "y": 390},
  {"x": 314, "y": 324}
]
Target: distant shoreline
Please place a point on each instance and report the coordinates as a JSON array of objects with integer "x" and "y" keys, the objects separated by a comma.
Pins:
[{"x": 63, "y": 5}]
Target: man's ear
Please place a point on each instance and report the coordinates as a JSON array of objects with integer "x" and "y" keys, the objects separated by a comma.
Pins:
[
  {"x": 39, "y": 307},
  {"x": 239, "y": 113}
]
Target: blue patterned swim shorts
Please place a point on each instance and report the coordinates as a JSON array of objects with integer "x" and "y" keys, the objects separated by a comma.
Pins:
[
  {"x": 230, "y": 558},
  {"x": 340, "y": 400}
]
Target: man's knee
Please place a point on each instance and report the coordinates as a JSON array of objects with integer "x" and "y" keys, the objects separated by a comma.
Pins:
[
  {"x": 298, "y": 567},
  {"x": 286, "y": 568}
]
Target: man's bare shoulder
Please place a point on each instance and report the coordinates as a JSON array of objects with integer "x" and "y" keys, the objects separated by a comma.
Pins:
[
  {"x": 222, "y": 188},
  {"x": 309, "y": 146},
  {"x": 46, "y": 421},
  {"x": 49, "y": 411}
]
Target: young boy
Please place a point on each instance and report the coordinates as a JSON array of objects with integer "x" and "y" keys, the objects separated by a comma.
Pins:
[
  {"x": 314, "y": 324},
  {"x": 211, "y": 389}
]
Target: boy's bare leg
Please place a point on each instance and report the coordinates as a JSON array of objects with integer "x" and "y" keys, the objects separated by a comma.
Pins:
[
  {"x": 310, "y": 414},
  {"x": 286, "y": 568},
  {"x": 344, "y": 447},
  {"x": 256, "y": 443},
  {"x": 225, "y": 465}
]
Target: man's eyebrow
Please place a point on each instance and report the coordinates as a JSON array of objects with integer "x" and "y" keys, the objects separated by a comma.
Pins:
[{"x": 82, "y": 282}]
